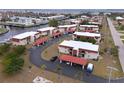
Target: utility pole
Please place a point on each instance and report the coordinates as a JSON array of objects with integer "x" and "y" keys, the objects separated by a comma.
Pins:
[{"x": 110, "y": 73}]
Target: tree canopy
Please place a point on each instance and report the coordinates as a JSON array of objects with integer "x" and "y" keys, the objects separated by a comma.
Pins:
[
  {"x": 4, "y": 48},
  {"x": 53, "y": 23},
  {"x": 13, "y": 65},
  {"x": 12, "y": 58}
]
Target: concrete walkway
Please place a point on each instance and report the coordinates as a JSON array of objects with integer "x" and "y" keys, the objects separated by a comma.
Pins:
[{"x": 117, "y": 42}]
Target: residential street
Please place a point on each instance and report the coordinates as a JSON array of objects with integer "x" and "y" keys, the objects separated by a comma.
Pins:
[{"x": 117, "y": 42}]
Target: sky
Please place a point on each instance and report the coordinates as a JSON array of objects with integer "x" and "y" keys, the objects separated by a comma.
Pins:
[{"x": 61, "y": 4}]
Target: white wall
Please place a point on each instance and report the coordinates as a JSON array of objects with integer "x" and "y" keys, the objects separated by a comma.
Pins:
[
  {"x": 82, "y": 28},
  {"x": 44, "y": 33},
  {"x": 51, "y": 31},
  {"x": 63, "y": 50},
  {"x": 90, "y": 55},
  {"x": 37, "y": 36},
  {"x": 22, "y": 42},
  {"x": 31, "y": 40},
  {"x": 62, "y": 30},
  {"x": 96, "y": 29}
]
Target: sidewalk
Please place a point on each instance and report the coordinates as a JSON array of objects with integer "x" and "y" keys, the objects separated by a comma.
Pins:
[{"x": 117, "y": 42}]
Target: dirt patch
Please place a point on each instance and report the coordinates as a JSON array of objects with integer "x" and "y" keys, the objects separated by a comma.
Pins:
[{"x": 51, "y": 51}]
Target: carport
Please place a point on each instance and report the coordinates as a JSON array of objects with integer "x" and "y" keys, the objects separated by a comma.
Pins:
[
  {"x": 40, "y": 41},
  {"x": 81, "y": 61},
  {"x": 57, "y": 34},
  {"x": 71, "y": 30}
]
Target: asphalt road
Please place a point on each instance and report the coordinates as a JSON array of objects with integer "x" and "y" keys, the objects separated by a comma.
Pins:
[
  {"x": 117, "y": 42},
  {"x": 71, "y": 71}
]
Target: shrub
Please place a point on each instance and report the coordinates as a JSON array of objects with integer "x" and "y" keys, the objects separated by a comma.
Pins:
[
  {"x": 4, "y": 48},
  {"x": 19, "y": 50},
  {"x": 114, "y": 51},
  {"x": 13, "y": 65},
  {"x": 10, "y": 55},
  {"x": 121, "y": 27}
]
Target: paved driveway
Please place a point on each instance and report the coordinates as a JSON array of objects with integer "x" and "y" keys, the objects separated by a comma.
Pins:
[{"x": 71, "y": 71}]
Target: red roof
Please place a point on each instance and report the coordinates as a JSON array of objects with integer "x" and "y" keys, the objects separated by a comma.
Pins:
[
  {"x": 76, "y": 60},
  {"x": 40, "y": 41},
  {"x": 56, "y": 34}
]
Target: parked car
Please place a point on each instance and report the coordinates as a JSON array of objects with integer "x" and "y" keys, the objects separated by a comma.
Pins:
[
  {"x": 53, "y": 58},
  {"x": 89, "y": 68}
]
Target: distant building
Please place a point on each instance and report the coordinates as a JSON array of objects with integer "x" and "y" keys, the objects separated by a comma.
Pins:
[
  {"x": 46, "y": 31},
  {"x": 84, "y": 17},
  {"x": 57, "y": 17},
  {"x": 107, "y": 13},
  {"x": 80, "y": 49},
  {"x": 118, "y": 18},
  {"x": 75, "y": 21},
  {"x": 95, "y": 23},
  {"x": 44, "y": 20},
  {"x": 89, "y": 28},
  {"x": 22, "y": 20},
  {"x": 0, "y": 16},
  {"x": 67, "y": 28},
  {"x": 27, "y": 21},
  {"x": 87, "y": 35},
  {"x": 97, "y": 19},
  {"x": 25, "y": 38}
]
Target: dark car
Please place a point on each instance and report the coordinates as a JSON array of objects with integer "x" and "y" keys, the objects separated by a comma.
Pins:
[{"x": 53, "y": 58}]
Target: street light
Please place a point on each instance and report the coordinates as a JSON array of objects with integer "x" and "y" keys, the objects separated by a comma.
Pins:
[{"x": 111, "y": 69}]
